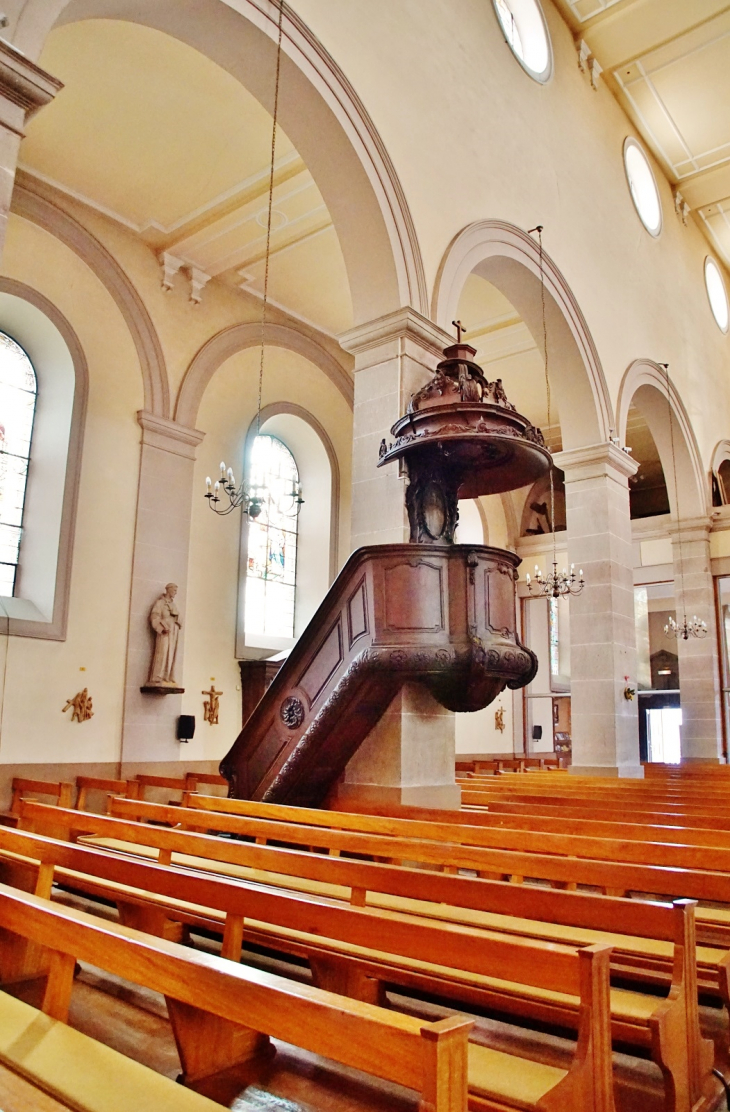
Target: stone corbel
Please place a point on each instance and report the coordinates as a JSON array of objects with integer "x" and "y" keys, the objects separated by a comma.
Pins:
[
  {"x": 198, "y": 281},
  {"x": 681, "y": 207},
  {"x": 588, "y": 63},
  {"x": 171, "y": 265},
  {"x": 24, "y": 88}
]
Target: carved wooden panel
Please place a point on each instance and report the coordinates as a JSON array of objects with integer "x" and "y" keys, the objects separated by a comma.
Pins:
[
  {"x": 323, "y": 665},
  {"x": 357, "y": 613},
  {"x": 396, "y": 613},
  {"x": 264, "y": 755},
  {"x": 414, "y": 596},
  {"x": 499, "y": 601}
]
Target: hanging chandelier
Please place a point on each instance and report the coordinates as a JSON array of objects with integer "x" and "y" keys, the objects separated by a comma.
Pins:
[
  {"x": 556, "y": 584},
  {"x": 225, "y": 495},
  {"x": 683, "y": 632},
  {"x": 695, "y": 628}
]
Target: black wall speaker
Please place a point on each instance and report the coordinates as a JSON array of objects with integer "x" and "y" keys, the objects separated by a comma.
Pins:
[
  {"x": 185, "y": 727},
  {"x": 536, "y": 733}
]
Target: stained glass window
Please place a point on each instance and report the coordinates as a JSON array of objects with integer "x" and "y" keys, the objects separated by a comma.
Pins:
[
  {"x": 18, "y": 393},
  {"x": 271, "y": 567}
]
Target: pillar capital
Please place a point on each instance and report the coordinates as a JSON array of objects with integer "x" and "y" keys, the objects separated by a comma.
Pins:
[
  {"x": 168, "y": 436},
  {"x": 596, "y": 461},
  {"x": 24, "y": 88},
  {"x": 405, "y": 325},
  {"x": 690, "y": 529}
]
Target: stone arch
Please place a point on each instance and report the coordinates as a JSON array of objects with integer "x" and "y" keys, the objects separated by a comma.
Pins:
[
  {"x": 645, "y": 385},
  {"x": 319, "y": 111},
  {"x": 29, "y": 204},
  {"x": 509, "y": 258},
  {"x": 239, "y": 337},
  {"x": 720, "y": 474}
]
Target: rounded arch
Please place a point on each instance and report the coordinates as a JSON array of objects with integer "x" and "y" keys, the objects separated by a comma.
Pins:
[
  {"x": 320, "y": 112},
  {"x": 720, "y": 455},
  {"x": 293, "y": 410},
  {"x": 509, "y": 258},
  {"x": 645, "y": 385},
  {"x": 29, "y": 204},
  {"x": 238, "y": 338},
  {"x": 54, "y": 543}
]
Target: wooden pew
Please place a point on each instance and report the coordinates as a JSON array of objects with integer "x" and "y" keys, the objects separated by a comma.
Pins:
[
  {"x": 193, "y": 779},
  {"x": 464, "y": 828},
  {"x": 86, "y": 784},
  {"x": 669, "y": 1027},
  {"x": 463, "y": 840},
  {"x": 244, "y": 1007},
  {"x": 171, "y": 783},
  {"x": 61, "y": 793}
]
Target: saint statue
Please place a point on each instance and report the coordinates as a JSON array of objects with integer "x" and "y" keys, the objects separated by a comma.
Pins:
[{"x": 165, "y": 621}]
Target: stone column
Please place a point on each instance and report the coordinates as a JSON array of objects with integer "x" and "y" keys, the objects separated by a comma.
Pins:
[
  {"x": 394, "y": 356},
  {"x": 699, "y": 667},
  {"x": 24, "y": 89},
  {"x": 161, "y": 549},
  {"x": 602, "y": 626},
  {"x": 410, "y": 755}
]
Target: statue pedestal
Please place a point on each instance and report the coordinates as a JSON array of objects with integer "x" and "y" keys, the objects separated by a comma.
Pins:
[
  {"x": 161, "y": 689},
  {"x": 408, "y": 758}
]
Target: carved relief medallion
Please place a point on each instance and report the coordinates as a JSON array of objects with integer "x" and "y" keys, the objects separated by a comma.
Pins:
[{"x": 292, "y": 712}]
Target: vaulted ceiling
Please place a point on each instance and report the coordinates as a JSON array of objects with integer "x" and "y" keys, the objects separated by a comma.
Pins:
[
  {"x": 668, "y": 64},
  {"x": 158, "y": 137}
]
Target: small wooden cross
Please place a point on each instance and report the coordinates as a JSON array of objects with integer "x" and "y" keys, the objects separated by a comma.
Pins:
[{"x": 459, "y": 329}]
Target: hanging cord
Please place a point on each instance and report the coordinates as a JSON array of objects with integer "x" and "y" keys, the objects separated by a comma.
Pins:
[
  {"x": 676, "y": 493},
  {"x": 270, "y": 212},
  {"x": 538, "y": 229}
]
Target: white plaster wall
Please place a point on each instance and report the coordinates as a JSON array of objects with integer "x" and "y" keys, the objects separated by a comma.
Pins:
[
  {"x": 39, "y": 676},
  {"x": 446, "y": 92}
]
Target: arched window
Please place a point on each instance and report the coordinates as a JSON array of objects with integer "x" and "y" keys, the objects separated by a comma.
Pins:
[
  {"x": 18, "y": 395},
  {"x": 271, "y": 564}
]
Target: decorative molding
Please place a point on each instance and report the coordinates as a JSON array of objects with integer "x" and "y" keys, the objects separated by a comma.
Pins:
[
  {"x": 240, "y": 337},
  {"x": 24, "y": 88},
  {"x": 406, "y": 323},
  {"x": 690, "y": 471},
  {"x": 55, "y": 630},
  {"x": 168, "y": 436},
  {"x": 588, "y": 63},
  {"x": 30, "y": 202},
  {"x": 198, "y": 281},
  {"x": 171, "y": 265},
  {"x": 681, "y": 207},
  {"x": 591, "y": 415},
  {"x": 596, "y": 460}
]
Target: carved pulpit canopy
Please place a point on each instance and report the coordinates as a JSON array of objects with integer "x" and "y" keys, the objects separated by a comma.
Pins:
[{"x": 461, "y": 438}]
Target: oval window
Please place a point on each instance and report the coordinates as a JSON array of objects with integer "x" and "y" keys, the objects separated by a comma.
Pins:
[
  {"x": 643, "y": 186},
  {"x": 525, "y": 30},
  {"x": 717, "y": 294}
]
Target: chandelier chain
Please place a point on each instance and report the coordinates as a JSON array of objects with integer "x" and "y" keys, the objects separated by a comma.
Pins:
[{"x": 270, "y": 212}]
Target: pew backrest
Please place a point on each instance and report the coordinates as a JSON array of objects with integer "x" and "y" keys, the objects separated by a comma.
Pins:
[{"x": 382, "y": 1043}]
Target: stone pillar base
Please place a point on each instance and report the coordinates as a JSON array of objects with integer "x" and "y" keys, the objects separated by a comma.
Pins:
[
  {"x": 439, "y": 797},
  {"x": 409, "y": 757},
  {"x": 626, "y": 771}
]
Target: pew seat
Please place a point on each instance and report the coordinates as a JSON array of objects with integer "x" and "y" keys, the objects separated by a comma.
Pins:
[
  {"x": 363, "y": 969},
  {"x": 80, "y": 1072}
]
